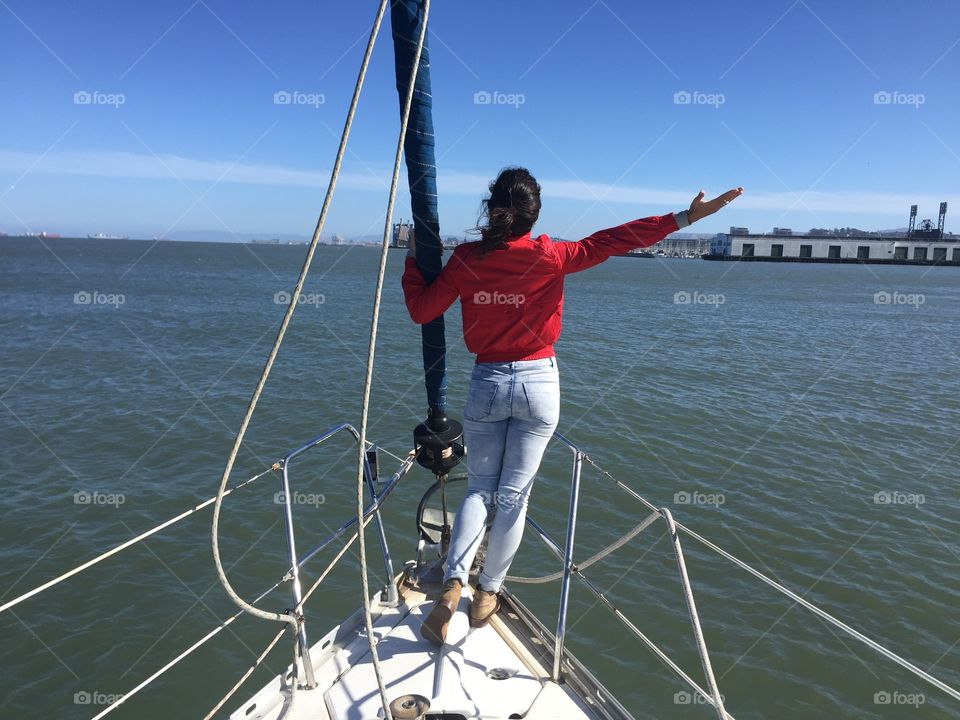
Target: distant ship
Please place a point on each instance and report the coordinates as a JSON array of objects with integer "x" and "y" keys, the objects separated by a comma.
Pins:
[{"x": 105, "y": 236}]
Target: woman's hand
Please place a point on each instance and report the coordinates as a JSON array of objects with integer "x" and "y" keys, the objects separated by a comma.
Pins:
[{"x": 699, "y": 208}]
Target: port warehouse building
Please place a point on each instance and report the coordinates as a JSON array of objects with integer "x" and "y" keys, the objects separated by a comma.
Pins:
[
  {"x": 743, "y": 245},
  {"x": 925, "y": 244}
]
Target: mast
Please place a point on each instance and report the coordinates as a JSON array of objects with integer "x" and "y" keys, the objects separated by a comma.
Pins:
[
  {"x": 439, "y": 439},
  {"x": 418, "y": 147}
]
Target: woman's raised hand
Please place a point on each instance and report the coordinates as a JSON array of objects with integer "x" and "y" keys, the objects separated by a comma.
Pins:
[{"x": 700, "y": 208}]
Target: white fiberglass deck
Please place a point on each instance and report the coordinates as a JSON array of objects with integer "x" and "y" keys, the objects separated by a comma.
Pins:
[{"x": 458, "y": 679}]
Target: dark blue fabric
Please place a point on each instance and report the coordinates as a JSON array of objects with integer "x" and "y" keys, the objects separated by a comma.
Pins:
[{"x": 418, "y": 148}]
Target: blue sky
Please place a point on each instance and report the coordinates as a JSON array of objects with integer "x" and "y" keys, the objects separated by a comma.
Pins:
[{"x": 782, "y": 101}]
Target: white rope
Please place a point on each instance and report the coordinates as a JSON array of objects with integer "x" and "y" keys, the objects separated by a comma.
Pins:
[
  {"x": 694, "y": 616},
  {"x": 713, "y": 697},
  {"x": 127, "y": 695},
  {"x": 371, "y": 352},
  {"x": 662, "y": 656},
  {"x": 647, "y": 522},
  {"x": 290, "y": 619},
  {"x": 123, "y": 546},
  {"x": 247, "y": 674},
  {"x": 222, "y": 626},
  {"x": 277, "y": 637},
  {"x": 889, "y": 654},
  {"x": 383, "y": 449}
]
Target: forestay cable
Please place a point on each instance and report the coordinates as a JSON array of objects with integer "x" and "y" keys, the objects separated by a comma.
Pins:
[
  {"x": 291, "y": 307},
  {"x": 124, "y": 545},
  {"x": 889, "y": 654},
  {"x": 371, "y": 352}
]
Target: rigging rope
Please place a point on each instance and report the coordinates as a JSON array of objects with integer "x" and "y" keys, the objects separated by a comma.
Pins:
[
  {"x": 291, "y": 619},
  {"x": 613, "y": 547},
  {"x": 298, "y": 609},
  {"x": 219, "y": 628},
  {"x": 247, "y": 674},
  {"x": 222, "y": 626},
  {"x": 124, "y": 545},
  {"x": 889, "y": 654},
  {"x": 371, "y": 352}
]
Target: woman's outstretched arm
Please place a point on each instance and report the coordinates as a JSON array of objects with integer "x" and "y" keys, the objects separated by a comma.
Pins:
[{"x": 593, "y": 250}]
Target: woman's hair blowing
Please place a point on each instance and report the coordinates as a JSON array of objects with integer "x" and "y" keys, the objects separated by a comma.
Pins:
[{"x": 511, "y": 210}]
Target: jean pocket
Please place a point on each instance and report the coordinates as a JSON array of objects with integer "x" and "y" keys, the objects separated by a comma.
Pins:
[
  {"x": 480, "y": 399},
  {"x": 543, "y": 400}
]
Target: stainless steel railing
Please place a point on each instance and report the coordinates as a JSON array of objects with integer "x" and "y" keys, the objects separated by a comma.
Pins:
[
  {"x": 373, "y": 508},
  {"x": 569, "y": 569},
  {"x": 567, "y": 552}
]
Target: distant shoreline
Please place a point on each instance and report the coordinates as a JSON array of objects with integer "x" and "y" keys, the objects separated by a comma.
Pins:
[{"x": 56, "y": 239}]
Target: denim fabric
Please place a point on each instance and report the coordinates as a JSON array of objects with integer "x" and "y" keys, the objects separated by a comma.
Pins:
[{"x": 511, "y": 413}]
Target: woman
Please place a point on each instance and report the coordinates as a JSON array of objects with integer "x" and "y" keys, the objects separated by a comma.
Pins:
[{"x": 510, "y": 287}]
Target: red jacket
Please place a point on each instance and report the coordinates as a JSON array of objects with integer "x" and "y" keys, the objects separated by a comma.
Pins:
[{"x": 512, "y": 299}]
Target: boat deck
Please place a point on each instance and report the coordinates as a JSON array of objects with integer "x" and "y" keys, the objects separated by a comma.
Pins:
[{"x": 499, "y": 671}]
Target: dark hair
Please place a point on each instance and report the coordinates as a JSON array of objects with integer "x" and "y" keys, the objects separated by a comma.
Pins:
[{"x": 511, "y": 210}]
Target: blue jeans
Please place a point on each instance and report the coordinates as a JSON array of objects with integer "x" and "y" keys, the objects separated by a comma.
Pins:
[{"x": 512, "y": 411}]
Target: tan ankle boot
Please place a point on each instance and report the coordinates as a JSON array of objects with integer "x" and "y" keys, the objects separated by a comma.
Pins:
[
  {"x": 434, "y": 628},
  {"x": 484, "y": 606}
]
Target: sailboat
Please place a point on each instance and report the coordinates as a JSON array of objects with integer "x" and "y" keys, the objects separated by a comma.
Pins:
[{"x": 373, "y": 663}]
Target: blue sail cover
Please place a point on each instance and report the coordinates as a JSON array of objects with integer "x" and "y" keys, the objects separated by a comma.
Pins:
[{"x": 418, "y": 147}]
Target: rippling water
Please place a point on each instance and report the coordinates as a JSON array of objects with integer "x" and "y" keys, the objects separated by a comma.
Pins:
[{"x": 783, "y": 412}]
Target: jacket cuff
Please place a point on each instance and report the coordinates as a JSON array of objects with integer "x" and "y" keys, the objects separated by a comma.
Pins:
[{"x": 682, "y": 219}]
